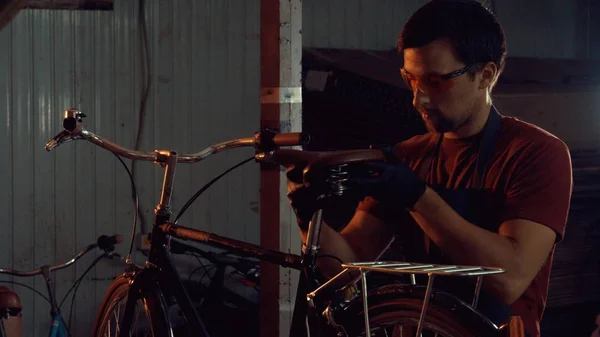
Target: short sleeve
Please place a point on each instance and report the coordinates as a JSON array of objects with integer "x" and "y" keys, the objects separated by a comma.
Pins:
[{"x": 540, "y": 185}]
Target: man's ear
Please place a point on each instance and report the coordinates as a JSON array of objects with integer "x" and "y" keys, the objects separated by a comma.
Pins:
[{"x": 489, "y": 74}]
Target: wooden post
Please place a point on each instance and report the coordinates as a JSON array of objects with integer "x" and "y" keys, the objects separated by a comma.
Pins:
[{"x": 281, "y": 109}]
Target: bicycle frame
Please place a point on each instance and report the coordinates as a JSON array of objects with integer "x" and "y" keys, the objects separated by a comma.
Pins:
[
  {"x": 159, "y": 272},
  {"x": 57, "y": 328}
]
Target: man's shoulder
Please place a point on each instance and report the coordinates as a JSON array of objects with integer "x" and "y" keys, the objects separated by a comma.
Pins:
[
  {"x": 416, "y": 145},
  {"x": 522, "y": 136},
  {"x": 412, "y": 150}
]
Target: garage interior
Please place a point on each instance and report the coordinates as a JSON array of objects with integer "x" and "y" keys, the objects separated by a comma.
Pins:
[{"x": 155, "y": 74}]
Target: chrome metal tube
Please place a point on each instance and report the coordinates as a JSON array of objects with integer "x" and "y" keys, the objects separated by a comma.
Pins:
[
  {"x": 170, "y": 160},
  {"x": 51, "y": 268},
  {"x": 220, "y": 147},
  {"x": 66, "y": 136},
  {"x": 365, "y": 302},
  {"x": 425, "y": 305}
]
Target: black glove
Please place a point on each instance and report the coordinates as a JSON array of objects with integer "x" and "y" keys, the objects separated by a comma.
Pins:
[
  {"x": 303, "y": 199},
  {"x": 391, "y": 181}
]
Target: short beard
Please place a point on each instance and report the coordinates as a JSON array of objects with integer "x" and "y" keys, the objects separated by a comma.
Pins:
[{"x": 439, "y": 124}]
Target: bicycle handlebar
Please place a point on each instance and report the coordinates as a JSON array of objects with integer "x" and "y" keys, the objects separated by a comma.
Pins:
[
  {"x": 105, "y": 243},
  {"x": 265, "y": 140}
]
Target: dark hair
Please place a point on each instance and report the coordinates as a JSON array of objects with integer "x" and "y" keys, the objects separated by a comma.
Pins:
[{"x": 472, "y": 29}]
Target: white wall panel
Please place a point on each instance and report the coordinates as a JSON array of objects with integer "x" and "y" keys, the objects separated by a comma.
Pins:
[{"x": 204, "y": 60}]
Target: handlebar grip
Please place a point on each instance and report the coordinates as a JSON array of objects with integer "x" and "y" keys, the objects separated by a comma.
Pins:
[
  {"x": 290, "y": 139},
  {"x": 108, "y": 242},
  {"x": 268, "y": 140}
]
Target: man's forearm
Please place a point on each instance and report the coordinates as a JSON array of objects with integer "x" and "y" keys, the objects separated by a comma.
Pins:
[{"x": 463, "y": 241}]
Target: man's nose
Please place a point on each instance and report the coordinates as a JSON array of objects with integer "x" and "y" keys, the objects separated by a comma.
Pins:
[{"x": 420, "y": 99}]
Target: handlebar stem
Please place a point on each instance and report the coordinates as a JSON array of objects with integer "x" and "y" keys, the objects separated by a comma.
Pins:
[
  {"x": 46, "y": 273},
  {"x": 163, "y": 210},
  {"x": 45, "y": 270}
]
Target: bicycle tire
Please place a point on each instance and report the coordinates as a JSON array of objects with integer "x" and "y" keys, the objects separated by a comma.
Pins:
[
  {"x": 437, "y": 319},
  {"x": 403, "y": 304},
  {"x": 118, "y": 290}
]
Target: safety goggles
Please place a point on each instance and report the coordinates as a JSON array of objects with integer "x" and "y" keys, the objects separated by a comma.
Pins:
[{"x": 433, "y": 83}]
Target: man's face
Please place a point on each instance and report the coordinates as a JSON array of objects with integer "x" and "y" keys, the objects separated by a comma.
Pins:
[{"x": 444, "y": 103}]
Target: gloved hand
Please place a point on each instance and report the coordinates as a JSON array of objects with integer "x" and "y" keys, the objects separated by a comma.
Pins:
[
  {"x": 303, "y": 199},
  {"x": 390, "y": 181}
]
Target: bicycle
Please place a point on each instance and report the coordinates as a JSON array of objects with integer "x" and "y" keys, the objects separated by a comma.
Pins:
[
  {"x": 339, "y": 310},
  {"x": 58, "y": 327}
]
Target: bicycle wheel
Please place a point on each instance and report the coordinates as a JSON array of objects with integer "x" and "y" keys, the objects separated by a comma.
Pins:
[
  {"x": 394, "y": 310},
  {"x": 112, "y": 308},
  {"x": 399, "y": 318}
]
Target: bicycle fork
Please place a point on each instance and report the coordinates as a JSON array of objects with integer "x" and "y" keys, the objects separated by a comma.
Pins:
[{"x": 147, "y": 289}]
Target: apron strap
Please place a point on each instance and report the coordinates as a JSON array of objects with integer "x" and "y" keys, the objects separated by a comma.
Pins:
[{"x": 487, "y": 147}]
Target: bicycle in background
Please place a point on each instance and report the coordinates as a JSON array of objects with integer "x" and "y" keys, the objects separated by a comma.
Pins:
[{"x": 58, "y": 327}]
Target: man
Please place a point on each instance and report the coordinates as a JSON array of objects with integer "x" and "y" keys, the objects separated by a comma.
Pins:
[
  {"x": 596, "y": 332},
  {"x": 483, "y": 189}
]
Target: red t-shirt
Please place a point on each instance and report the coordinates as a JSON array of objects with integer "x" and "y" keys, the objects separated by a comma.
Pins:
[{"x": 529, "y": 177}]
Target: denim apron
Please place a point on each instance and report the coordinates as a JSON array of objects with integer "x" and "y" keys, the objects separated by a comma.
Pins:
[{"x": 468, "y": 202}]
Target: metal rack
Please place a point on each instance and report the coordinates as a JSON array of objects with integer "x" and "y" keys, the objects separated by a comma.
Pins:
[{"x": 431, "y": 270}]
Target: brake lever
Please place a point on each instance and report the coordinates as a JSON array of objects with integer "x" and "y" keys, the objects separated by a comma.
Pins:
[{"x": 63, "y": 137}]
